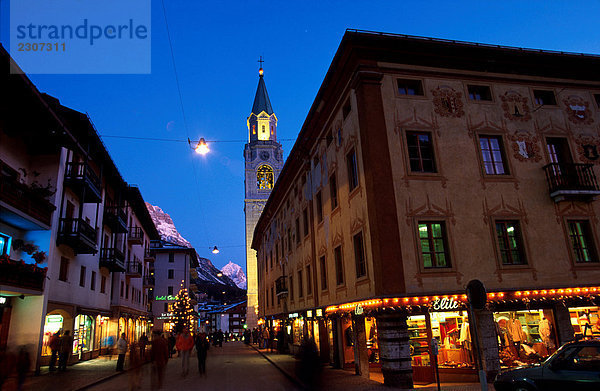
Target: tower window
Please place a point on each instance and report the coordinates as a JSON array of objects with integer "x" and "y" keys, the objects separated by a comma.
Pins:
[
  {"x": 253, "y": 129},
  {"x": 264, "y": 177},
  {"x": 263, "y": 128}
]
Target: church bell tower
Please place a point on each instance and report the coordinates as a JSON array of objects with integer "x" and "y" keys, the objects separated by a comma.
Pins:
[{"x": 264, "y": 159}]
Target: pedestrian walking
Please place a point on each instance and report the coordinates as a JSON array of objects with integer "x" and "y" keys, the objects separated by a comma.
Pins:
[
  {"x": 308, "y": 365},
  {"x": 220, "y": 336},
  {"x": 185, "y": 343},
  {"x": 122, "y": 350},
  {"x": 171, "y": 344},
  {"x": 143, "y": 342},
  {"x": 54, "y": 345},
  {"x": 134, "y": 372},
  {"x": 66, "y": 347},
  {"x": 265, "y": 337},
  {"x": 23, "y": 365},
  {"x": 160, "y": 357},
  {"x": 202, "y": 346}
]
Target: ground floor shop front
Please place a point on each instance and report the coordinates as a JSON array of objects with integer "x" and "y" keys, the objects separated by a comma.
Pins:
[{"x": 397, "y": 335}]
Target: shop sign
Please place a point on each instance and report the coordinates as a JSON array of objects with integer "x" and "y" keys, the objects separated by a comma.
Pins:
[
  {"x": 359, "y": 310},
  {"x": 165, "y": 298},
  {"x": 319, "y": 312},
  {"x": 293, "y": 315},
  {"x": 445, "y": 304},
  {"x": 309, "y": 314},
  {"x": 54, "y": 319}
]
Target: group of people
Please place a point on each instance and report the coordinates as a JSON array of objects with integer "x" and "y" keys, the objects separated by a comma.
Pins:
[{"x": 61, "y": 347}]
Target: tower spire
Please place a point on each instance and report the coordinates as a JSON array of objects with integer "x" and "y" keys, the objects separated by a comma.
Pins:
[{"x": 260, "y": 70}]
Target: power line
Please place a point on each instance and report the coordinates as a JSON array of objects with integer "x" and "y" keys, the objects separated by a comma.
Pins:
[{"x": 174, "y": 140}]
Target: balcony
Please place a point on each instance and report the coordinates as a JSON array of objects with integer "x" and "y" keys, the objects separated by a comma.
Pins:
[
  {"x": 149, "y": 282},
  {"x": 21, "y": 275},
  {"x": 571, "y": 182},
  {"x": 115, "y": 218},
  {"x": 78, "y": 235},
  {"x": 281, "y": 286},
  {"x": 134, "y": 269},
  {"x": 82, "y": 179},
  {"x": 136, "y": 236},
  {"x": 112, "y": 259},
  {"x": 26, "y": 199},
  {"x": 149, "y": 256}
]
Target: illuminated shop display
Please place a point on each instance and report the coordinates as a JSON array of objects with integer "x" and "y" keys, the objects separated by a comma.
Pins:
[
  {"x": 586, "y": 321},
  {"x": 52, "y": 325},
  {"x": 83, "y": 334},
  {"x": 372, "y": 341}
]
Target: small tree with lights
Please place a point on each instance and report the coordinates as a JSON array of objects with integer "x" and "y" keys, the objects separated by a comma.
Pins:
[{"x": 183, "y": 312}]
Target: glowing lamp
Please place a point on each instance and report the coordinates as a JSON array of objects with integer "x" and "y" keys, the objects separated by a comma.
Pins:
[
  {"x": 215, "y": 250},
  {"x": 260, "y": 71},
  {"x": 202, "y": 147}
]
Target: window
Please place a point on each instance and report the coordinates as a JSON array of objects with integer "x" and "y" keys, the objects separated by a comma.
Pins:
[
  {"x": 276, "y": 255},
  {"x": 291, "y": 278},
  {"x": 93, "y": 282},
  {"x": 305, "y": 218},
  {"x": 122, "y": 288},
  {"x": 479, "y": 92},
  {"x": 171, "y": 257},
  {"x": 352, "y": 170},
  {"x": 510, "y": 243},
  {"x": 166, "y": 307},
  {"x": 582, "y": 242},
  {"x": 4, "y": 244},
  {"x": 492, "y": 155},
  {"x": 64, "y": 269},
  {"x": 410, "y": 87},
  {"x": 420, "y": 152},
  {"x": 82, "y": 276},
  {"x": 339, "y": 265},
  {"x": 264, "y": 177},
  {"x": 544, "y": 98},
  {"x": 319, "y": 203},
  {"x": 170, "y": 290},
  {"x": 323, "y": 264},
  {"x": 584, "y": 358},
  {"x": 297, "y": 230},
  {"x": 272, "y": 297},
  {"x": 308, "y": 281},
  {"x": 346, "y": 109},
  {"x": 102, "y": 284},
  {"x": 333, "y": 194},
  {"x": 359, "y": 256},
  {"x": 127, "y": 291},
  {"x": 300, "y": 289},
  {"x": 289, "y": 237},
  {"x": 597, "y": 99},
  {"x": 170, "y": 274},
  {"x": 432, "y": 238}
]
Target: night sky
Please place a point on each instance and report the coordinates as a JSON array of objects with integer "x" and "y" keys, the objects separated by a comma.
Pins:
[{"x": 216, "y": 47}]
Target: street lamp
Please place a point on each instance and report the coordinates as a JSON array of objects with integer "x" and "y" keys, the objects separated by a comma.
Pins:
[
  {"x": 201, "y": 148},
  {"x": 215, "y": 250}
]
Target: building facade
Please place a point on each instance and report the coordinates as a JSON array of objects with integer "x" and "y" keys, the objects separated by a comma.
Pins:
[
  {"x": 227, "y": 318},
  {"x": 264, "y": 158},
  {"x": 424, "y": 164}
]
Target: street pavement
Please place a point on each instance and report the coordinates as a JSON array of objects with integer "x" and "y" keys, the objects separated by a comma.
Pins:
[{"x": 235, "y": 366}]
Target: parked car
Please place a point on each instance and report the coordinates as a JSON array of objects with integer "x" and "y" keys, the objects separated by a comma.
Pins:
[{"x": 575, "y": 366}]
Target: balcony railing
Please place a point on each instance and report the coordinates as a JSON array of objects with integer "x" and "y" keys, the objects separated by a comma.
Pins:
[
  {"x": 149, "y": 255},
  {"x": 136, "y": 235},
  {"x": 134, "y": 269},
  {"x": 571, "y": 181},
  {"x": 281, "y": 286},
  {"x": 77, "y": 234},
  {"x": 149, "y": 282},
  {"x": 115, "y": 218},
  {"x": 26, "y": 199},
  {"x": 20, "y": 274},
  {"x": 112, "y": 259},
  {"x": 81, "y": 177}
]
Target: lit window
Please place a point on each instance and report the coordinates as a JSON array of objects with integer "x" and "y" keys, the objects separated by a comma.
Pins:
[
  {"x": 510, "y": 243},
  {"x": 264, "y": 177},
  {"x": 582, "y": 242},
  {"x": 432, "y": 237},
  {"x": 492, "y": 155}
]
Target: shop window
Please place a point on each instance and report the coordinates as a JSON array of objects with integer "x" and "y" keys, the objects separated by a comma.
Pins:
[
  {"x": 359, "y": 256},
  {"x": 434, "y": 249},
  {"x": 308, "y": 281},
  {"x": 544, "y": 98},
  {"x": 170, "y": 274},
  {"x": 372, "y": 340},
  {"x": 510, "y": 243},
  {"x": 479, "y": 92},
  {"x": 83, "y": 334},
  {"x": 339, "y": 265},
  {"x": 333, "y": 191},
  {"x": 581, "y": 241},
  {"x": 352, "y": 167},
  {"x": 52, "y": 325},
  {"x": 525, "y": 337},
  {"x": 585, "y": 321},
  {"x": 300, "y": 287},
  {"x": 93, "y": 281},
  {"x": 492, "y": 154},
  {"x": 319, "y": 204},
  {"x": 4, "y": 244},
  {"x": 63, "y": 272},
  {"x": 410, "y": 87},
  {"x": 323, "y": 263},
  {"x": 420, "y": 152}
]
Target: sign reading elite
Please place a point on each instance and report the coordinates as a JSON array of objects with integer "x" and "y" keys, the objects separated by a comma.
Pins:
[{"x": 445, "y": 304}]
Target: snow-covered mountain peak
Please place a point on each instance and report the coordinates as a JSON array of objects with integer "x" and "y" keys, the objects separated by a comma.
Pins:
[
  {"x": 165, "y": 226},
  {"x": 235, "y": 272}
]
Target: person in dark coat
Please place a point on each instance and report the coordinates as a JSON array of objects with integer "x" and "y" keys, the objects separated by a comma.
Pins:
[
  {"x": 23, "y": 366},
  {"x": 160, "y": 355},
  {"x": 172, "y": 342},
  {"x": 202, "y": 346},
  {"x": 308, "y": 366},
  {"x": 66, "y": 347},
  {"x": 143, "y": 342},
  {"x": 54, "y": 345}
]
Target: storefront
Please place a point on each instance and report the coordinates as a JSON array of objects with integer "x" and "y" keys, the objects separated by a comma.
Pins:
[
  {"x": 83, "y": 336},
  {"x": 585, "y": 321}
]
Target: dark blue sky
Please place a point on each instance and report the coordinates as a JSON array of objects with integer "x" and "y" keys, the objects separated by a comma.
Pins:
[{"x": 216, "y": 47}]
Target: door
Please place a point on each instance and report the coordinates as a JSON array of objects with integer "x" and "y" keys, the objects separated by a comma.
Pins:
[{"x": 560, "y": 157}]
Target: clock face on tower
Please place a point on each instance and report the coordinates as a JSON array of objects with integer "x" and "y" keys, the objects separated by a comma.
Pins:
[{"x": 264, "y": 155}]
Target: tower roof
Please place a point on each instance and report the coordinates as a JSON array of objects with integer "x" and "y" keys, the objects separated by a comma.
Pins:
[{"x": 261, "y": 100}]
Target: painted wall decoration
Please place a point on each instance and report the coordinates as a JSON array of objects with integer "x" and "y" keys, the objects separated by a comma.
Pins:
[
  {"x": 588, "y": 149},
  {"x": 578, "y": 110},
  {"x": 525, "y": 147},
  {"x": 447, "y": 102},
  {"x": 515, "y": 106}
]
